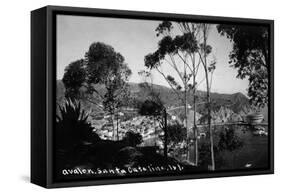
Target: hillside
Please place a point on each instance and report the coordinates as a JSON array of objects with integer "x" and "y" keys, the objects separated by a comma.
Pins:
[{"x": 237, "y": 102}]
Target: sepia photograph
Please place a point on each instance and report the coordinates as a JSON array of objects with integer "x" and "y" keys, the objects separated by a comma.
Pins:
[{"x": 147, "y": 98}]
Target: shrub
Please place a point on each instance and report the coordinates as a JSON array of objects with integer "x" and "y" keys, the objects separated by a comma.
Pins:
[
  {"x": 132, "y": 138},
  {"x": 229, "y": 141},
  {"x": 176, "y": 133}
]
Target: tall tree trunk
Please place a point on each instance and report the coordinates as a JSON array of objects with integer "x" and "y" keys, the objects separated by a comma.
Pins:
[
  {"x": 154, "y": 123},
  {"x": 117, "y": 126},
  {"x": 195, "y": 132},
  {"x": 186, "y": 118},
  {"x": 208, "y": 99},
  {"x": 209, "y": 123},
  {"x": 165, "y": 136},
  {"x": 113, "y": 129}
]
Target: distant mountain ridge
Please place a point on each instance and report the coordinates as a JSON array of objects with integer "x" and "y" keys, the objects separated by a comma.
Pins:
[{"x": 237, "y": 102}]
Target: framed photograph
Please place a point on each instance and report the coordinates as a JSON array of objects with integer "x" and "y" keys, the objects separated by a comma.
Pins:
[{"x": 126, "y": 96}]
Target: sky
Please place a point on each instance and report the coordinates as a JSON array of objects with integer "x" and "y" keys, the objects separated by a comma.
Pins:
[{"x": 134, "y": 39}]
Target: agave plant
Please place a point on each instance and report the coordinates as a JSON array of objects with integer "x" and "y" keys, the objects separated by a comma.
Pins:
[
  {"x": 71, "y": 111},
  {"x": 72, "y": 127}
]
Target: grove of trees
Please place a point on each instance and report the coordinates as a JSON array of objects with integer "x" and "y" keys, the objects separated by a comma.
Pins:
[{"x": 183, "y": 46}]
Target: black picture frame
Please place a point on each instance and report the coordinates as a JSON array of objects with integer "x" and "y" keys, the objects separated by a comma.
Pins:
[{"x": 43, "y": 91}]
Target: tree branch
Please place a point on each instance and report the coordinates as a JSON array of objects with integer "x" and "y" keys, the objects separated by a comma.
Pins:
[
  {"x": 177, "y": 70},
  {"x": 175, "y": 91},
  {"x": 184, "y": 61}
]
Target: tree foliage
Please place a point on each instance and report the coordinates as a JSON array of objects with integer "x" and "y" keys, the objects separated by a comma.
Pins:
[
  {"x": 102, "y": 66},
  {"x": 106, "y": 66},
  {"x": 150, "y": 108},
  {"x": 73, "y": 78},
  {"x": 250, "y": 55},
  {"x": 171, "y": 46}
]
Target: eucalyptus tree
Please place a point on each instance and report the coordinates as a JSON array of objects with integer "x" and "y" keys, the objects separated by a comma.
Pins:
[
  {"x": 154, "y": 106},
  {"x": 107, "y": 67},
  {"x": 103, "y": 74},
  {"x": 209, "y": 67},
  {"x": 178, "y": 48},
  {"x": 250, "y": 56},
  {"x": 117, "y": 95}
]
